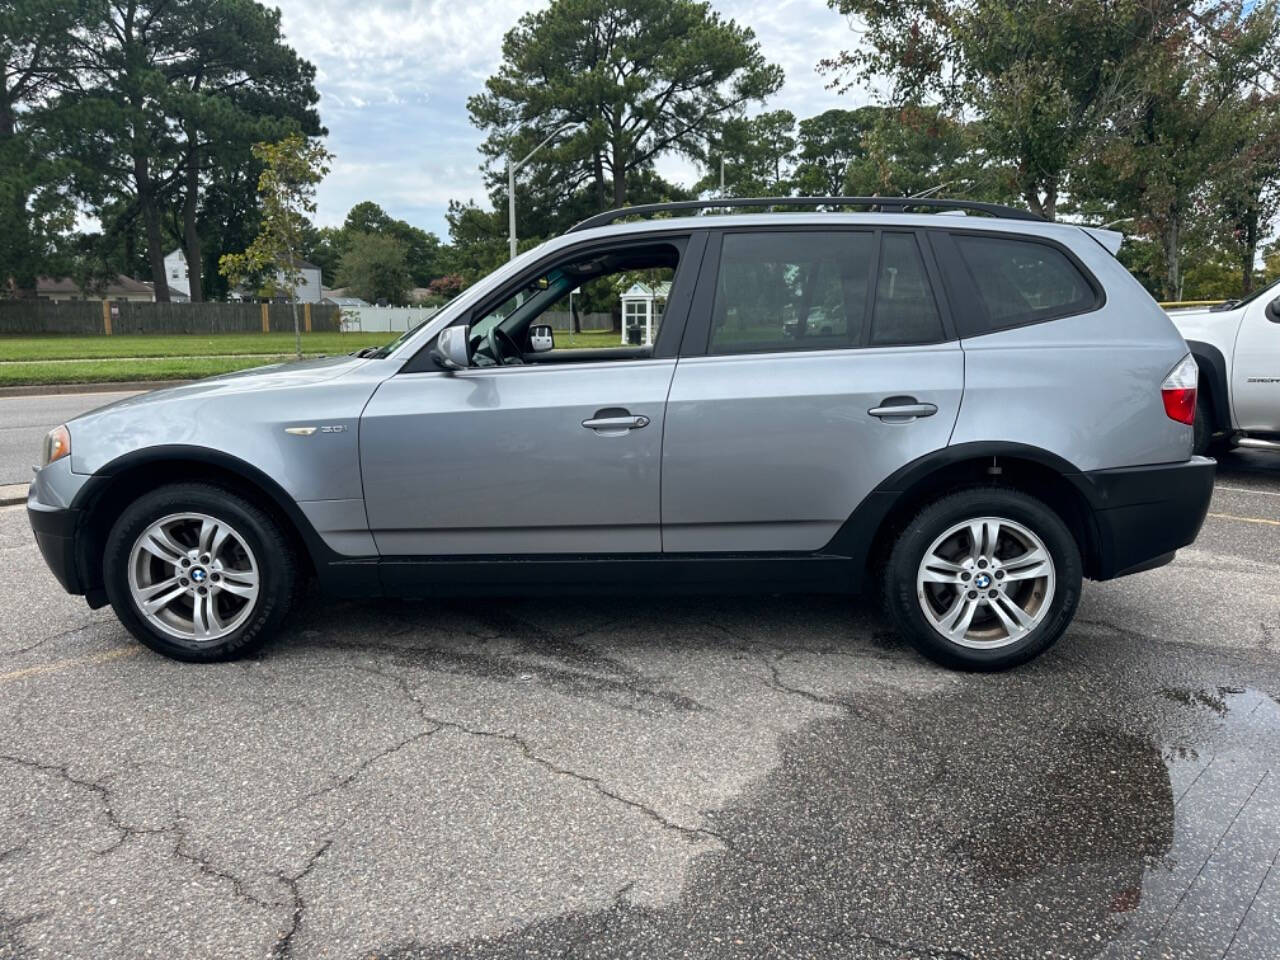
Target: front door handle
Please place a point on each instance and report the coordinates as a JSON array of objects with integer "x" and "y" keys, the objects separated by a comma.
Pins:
[
  {"x": 902, "y": 409},
  {"x": 611, "y": 424}
]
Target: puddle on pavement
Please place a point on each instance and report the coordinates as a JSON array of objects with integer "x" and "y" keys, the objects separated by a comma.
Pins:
[{"x": 991, "y": 824}]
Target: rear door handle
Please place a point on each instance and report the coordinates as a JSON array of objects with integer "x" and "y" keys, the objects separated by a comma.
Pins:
[
  {"x": 902, "y": 409},
  {"x": 616, "y": 423}
]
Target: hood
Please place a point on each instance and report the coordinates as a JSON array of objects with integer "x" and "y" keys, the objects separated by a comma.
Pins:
[
  {"x": 274, "y": 376},
  {"x": 244, "y": 416},
  {"x": 1200, "y": 314}
]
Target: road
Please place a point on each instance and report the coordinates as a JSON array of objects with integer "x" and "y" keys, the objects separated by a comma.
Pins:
[
  {"x": 630, "y": 778},
  {"x": 25, "y": 420}
]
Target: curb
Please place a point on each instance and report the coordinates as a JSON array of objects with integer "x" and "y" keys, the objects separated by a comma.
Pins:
[
  {"x": 114, "y": 386},
  {"x": 12, "y": 493}
]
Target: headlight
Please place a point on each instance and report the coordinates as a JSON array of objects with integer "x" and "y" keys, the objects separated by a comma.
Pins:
[{"x": 57, "y": 444}]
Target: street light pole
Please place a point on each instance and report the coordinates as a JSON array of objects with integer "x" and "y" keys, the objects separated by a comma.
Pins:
[{"x": 512, "y": 170}]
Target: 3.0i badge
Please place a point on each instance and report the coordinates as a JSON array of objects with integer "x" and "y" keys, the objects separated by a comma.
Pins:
[{"x": 308, "y": 431}]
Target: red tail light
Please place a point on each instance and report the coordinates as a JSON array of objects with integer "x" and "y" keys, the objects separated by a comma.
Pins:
[{"x": 1179, "y": 391}]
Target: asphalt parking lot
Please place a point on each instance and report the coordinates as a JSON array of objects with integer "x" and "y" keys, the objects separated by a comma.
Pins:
[{"x": 653, "y": 778}]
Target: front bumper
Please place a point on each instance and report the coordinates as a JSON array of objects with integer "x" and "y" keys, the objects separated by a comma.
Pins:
[
  {"x": 1142, "y": 515},
  {"x": 55, "y": 531}
]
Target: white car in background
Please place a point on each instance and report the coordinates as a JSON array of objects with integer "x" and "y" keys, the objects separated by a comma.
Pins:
[{"x": 1237, "y": 347}]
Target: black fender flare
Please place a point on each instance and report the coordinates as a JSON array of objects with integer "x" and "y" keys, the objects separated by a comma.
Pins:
[
  {"x": 1213, "y": 370},
  {"x": 323, "y": 558},
  {"x": 857, "y": 535}
]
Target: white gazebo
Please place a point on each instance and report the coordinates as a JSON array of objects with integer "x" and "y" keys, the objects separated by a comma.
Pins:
[{"x": 642, "y": 307}]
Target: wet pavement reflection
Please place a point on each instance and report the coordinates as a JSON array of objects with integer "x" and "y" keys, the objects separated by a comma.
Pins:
[{"x": 1054, "y": 813}]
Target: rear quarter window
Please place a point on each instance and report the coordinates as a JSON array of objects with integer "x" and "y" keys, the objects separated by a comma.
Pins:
[{"x": 1023, "y": 281}]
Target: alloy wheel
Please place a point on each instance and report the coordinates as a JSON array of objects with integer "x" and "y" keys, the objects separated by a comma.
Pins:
[
  {"x": 193, "y": 576},
  {"x": 986, "y": 583}
]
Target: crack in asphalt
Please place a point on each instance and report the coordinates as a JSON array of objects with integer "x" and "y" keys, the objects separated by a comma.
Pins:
[
  {"x": 511, "y": 668},
  {"x": 13, "y": 851},
  {"x": 1239, "y": 655},
  {"x": 691, "y": 834},
  {"x": 881, "y": 720},
  {"x": 128, "y": 831},
  {"x": 361, "y": 767},
  {"x": 102, "y": 791},
  {"x": 282, "y": 949},
  {"x": 49, "y": 639},
  {"x": 207, "y": 868}
]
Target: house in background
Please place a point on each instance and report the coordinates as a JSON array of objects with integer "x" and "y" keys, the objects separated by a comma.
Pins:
[
  {"x": 642, "y": 308},
  {"x": 177, "y": 275},
  {"x": 341, "y": 297},
  {"x": 179, "y": 278},
  {"x": 119, "y": 287}
]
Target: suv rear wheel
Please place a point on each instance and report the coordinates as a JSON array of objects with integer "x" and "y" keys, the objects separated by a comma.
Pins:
[
  {"x": 198, "y": 573},
  {"x": 983, "y": 579}
]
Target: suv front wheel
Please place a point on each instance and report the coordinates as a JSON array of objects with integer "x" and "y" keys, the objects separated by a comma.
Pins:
[
  {"x": 198, "y": 573},
  {"x": 983, "y": 579}
]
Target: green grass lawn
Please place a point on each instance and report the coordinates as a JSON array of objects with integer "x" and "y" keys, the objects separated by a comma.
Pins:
[
  {"x": 125, "y": 371},
  {"x": 591, "y": 338},
  {"x": 182, "y": 345},
  {"x": 120, "y": 359}
]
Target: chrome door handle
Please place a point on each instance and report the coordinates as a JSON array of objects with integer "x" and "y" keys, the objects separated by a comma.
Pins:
[
  {"x": 616, "y": 423},
  {"x": 904, "y": 411}
]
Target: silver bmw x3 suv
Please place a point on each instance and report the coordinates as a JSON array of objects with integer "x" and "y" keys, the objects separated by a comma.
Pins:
[{"x": 967, "y": 414}]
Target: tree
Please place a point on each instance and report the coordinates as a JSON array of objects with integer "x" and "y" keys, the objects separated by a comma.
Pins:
[
  {"x": 233, "y": 82},
  {"x": 758, "y": 154},
  {"x": 1039, "y": 77},
  {"x": 291, "y": 169},
  {"x": 912, "y": 150},
  {"x": 1244, "y": 184},
  {"x": 35, "y": 44},
  {"x": 1180, "y": 161},
  {"x": 828, "y": 144},
  {"x": 169, "y": 97},
  {"x": 641, "y": 78},
  {"x": 421, "y": 249},
  {"x": 375, "y": 268}
]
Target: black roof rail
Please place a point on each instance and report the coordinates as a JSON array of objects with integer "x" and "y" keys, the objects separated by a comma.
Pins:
[{"x": 884, "y": 203}]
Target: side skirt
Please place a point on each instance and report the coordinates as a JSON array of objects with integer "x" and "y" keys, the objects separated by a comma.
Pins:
[{"x": 592, "y": 575}]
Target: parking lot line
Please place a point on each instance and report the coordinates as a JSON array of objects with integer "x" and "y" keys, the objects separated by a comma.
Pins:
[
  {"x": 58, "y": 665},
  {"x": 1231, "y": 516},
  {"x": 1265, "y": 493}
]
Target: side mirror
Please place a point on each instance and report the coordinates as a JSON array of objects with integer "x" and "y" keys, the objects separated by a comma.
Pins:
[
  {"x": 541, "y": 339},
  {"x": 1273, "y": 310},
  {"x": 451, "y": 351}
]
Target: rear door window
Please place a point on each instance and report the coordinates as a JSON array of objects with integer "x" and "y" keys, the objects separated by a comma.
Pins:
[
  {"x": 1021, "y": 281},
  {"x": 782, "y": 291}
]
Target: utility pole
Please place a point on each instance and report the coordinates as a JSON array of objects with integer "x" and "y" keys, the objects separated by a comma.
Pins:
[{"x": 512, "y": 170}]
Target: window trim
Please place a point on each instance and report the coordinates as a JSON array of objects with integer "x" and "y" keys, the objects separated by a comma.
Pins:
[
  {"x": 689, "y": 245},
  {"x": 697, "y": 338},
  {"x": 973, "y": 319},
  {"x": 936, "y": 291}
]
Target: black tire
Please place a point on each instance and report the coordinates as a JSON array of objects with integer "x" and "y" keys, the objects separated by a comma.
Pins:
[
  {"x": 908, "y": 550},
  {"x": 277, "y": 568},
  {"x": 1203, "y": 425}
]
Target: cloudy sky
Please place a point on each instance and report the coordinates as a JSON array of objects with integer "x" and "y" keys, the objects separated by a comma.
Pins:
[{"x": 394, "y": 77}]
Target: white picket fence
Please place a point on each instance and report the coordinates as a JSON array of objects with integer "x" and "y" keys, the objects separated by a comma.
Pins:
[{"x": 383, "y": 319}]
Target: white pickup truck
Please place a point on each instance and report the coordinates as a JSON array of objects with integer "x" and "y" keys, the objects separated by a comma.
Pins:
[{"x": 1237, "y": 347}]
